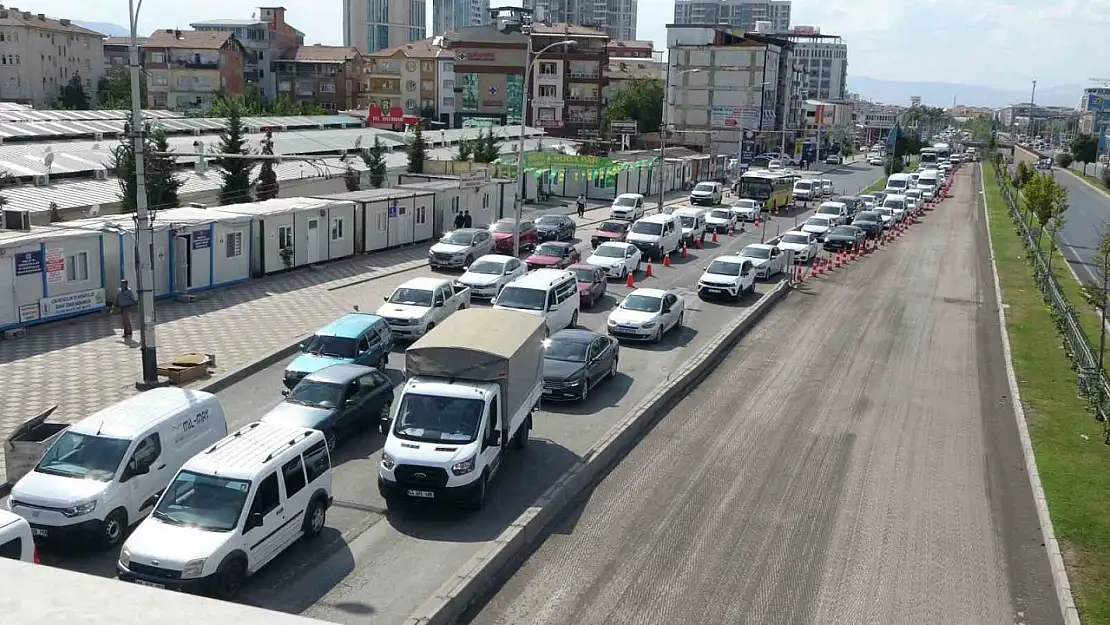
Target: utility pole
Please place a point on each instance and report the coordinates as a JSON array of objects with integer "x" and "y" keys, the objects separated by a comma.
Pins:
[
  {"x": 144, "y": 225},
  {"x": 1032, "y": 97}
]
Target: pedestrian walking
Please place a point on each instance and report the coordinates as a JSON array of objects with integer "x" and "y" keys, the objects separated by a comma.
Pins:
[
  {"x": 125, "y": 301},
  {"x": 468, "y": 221},
  {"x": 459, "y": 221},
  {"x": 581, "y": 202}
]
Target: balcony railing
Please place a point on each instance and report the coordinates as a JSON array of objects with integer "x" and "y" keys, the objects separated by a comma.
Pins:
[
  {"x": 589, "y": 75},
  {"x": 194, "y": 64},
  {"x": 583, "y": 97}
]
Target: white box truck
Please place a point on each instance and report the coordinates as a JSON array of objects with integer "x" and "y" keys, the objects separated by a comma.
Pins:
[{"x": 473, "y": 384}]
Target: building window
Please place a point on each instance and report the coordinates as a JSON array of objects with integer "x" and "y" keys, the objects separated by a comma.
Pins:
[
  {"x": 337, "y": 229},
  {"x": 549, "y": 69},
  {"x": 234, "y": 244},
  {"x": 77, "y": 267},
  {"x": 449, "y": 101},
  {"x": 157, "y": 57},
  {"x": 285, "y": 237},
  {"x": 449, "y": 85},
  {"x": 305, "y": 88},
  {"x": 383, "y": 222},
  {"x": 548, "y": 91},
  {"x": 421, "y": 215},
  {"x": 448, "y": 67},
  {"x": 327, "y": 87},
  {"x": 285, "y": 85}
]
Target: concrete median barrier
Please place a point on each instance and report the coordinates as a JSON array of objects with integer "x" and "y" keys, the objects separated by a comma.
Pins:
[{"x": 478, "y": 577}]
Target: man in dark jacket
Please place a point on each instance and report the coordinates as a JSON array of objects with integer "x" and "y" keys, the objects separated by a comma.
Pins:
[
  {"x": 459, "y": 220},
  {"x": 468, "y": 221},
  {"x": 125, "y": 301}
]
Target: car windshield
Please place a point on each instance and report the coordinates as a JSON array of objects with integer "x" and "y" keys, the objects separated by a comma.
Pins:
[
  {"x": 687, "y": 222},
  {"x": 411, "y": 297},
  {"x": 585, "y": 275},
  {"x": 706, "y": 187},
  {"x": 744, "y": 204},
  {"x": 868, "y": 216},
  {"x": 647, "y": 227},
  {"x": 433, "y": 419},
  {"x": 609, "y": 251},
  {"x": 720, "y": 213},
  {"x": 795, "y": 238},
  {"x": 642, "y": 303},
  {"x": 883, "y": 210},
  {"x": 894, "y": 204},
  {"x": 927, "y": 182},
  {"x": 566, "y": 351},
  {"x": 316, "y": 394},
  {"x": 457, "y": 238},
  {"x": 828, "y": 210},
  {"x": 803, "y": 186},
  {"x": 504, "y": 227},
  {"x": 725, "y": 267},
  {"x": 551, "y": 250},
  {"x": 896, "y": 184},
  {"x": 817, "y": 221},
  {"x": 756, "y": 252},
  {"x": 84, "y": 456},
  {"x": 331, "y": 346},
  {"x": 487, "y": 267},
  {"x": 521, "y": 298},
  {"x": 549, "y": 220},
  {"x": 206, "y": 502},
  {"x": 625, "y": 201},
  {"x": 843, "y": 231},
  {"x": 610, "y": 226}
]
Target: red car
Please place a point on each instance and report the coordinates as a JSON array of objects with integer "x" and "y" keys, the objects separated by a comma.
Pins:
[
  {"x": 616, "y": 231},
  {"x": 503, "y": 231},
  {"x": 592, "y": 283},
  {"x": 553, "y": 255}
]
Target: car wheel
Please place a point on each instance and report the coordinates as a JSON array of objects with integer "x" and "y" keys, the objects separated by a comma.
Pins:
[
  {"x": 115, "y": 526},
  {"x": 315, "y": 518},
  {"x": 658, "y": 338},
  {"x": 623, "y": 273},
  {"x": 479, "y": 500},
  {"x": 383, "y": 418},
  {"x": 678, "y": 324},
  {"x": 638, "y": 263},
  {"x": 613, "y": 369},
  {"x": 331, "y": 439},
  {"x": 574, "y": 320},
  {"x": 469, "y": 259},
  {"x": 585, "y": 394},
  {"x": 520, "y": 439},
  {"x": 231, "y": 580}
]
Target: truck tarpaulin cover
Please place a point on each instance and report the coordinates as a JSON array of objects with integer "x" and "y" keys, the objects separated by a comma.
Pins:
[{"x": 504, "y": 346}]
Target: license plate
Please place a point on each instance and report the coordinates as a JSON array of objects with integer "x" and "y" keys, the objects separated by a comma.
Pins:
[
  {"x": 143, "y": 582},
  {"x": 38, "y": 532},
  {"x": 423, "y": 494},
  {"x": 715, "y": 290}
]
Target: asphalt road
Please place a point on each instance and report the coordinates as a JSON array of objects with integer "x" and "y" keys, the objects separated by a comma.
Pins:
[
  {"x": 375, "y": 566},
  {"x": 855, "y": 460}
]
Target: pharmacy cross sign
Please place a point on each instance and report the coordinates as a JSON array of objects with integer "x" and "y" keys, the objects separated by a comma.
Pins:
[{"x": 492, "y": 90}]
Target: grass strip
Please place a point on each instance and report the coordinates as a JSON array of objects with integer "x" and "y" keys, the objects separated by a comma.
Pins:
[{"x": 1072, "y": 460}]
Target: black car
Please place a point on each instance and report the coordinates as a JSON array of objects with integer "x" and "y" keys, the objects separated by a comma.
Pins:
[
  {"x": 853, "y": 203},
  {"x": 574, "y": 361},
  {"x": 555, "y": 228},
  {"x": 843, "y": 238},
  {"x": 338, "y": 400},
  {"x": 870, "y": 222}
]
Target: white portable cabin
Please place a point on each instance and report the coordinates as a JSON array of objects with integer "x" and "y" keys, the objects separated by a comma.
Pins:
[
  {"x": 208, "y": 248},
  {"x": 389, "y": 217},
  {"x": 314, "y": 230},
  {"x": 49, "y": 273}
]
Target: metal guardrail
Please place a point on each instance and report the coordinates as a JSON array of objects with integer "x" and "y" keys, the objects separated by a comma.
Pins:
[{"x": 1091, "y": 384}]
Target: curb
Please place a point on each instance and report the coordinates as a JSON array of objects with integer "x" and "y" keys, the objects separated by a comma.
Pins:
[
  {"x": 478, "y": 576},
  {"x": 1052, "y": 546}
]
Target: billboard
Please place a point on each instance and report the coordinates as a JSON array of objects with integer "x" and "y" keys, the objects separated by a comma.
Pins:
[
  {"x": 1098, "y": 102},
  {"x": 734, "y": 117}
]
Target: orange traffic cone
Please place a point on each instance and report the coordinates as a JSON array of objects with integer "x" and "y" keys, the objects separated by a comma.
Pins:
[
  {"x": 742, "y": 228},
  {"x": 667, "y": 260},
  {"x": 813, "y": 268},
  {"x": 628, "y": 280},
  {"x": 731, "y": 229},
  {"x": 714, "y": 236},
  {"x": 684, "y": 249},
  {"x": 697, "y": 243},
  {"x": 647, "y": 271}
]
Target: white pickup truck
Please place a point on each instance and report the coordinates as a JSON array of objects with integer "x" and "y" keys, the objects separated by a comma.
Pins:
[{"x": 421, "y": 304}]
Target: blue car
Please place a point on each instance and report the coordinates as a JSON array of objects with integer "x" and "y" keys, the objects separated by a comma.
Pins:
[{"x": 358, "y": 338}]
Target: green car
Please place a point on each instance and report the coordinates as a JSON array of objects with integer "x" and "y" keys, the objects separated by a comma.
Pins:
[{"x": 358, "y": 338}]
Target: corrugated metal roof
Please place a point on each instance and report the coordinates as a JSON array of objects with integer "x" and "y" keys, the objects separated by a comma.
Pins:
[{"x": 23, "y": 124}]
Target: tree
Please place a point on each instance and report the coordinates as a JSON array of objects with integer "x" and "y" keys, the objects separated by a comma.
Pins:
[
  {"x": 267, "y": 183},
  {"x": 73, "y": 96},
  {"x": 487, "y": 147},
  {"x": 162, "y": 180},
  {"x": 428, "y": 112},
  {"x": 6, "y": 180},
  {"x": 1023, "y": 173},
  {"x": 351, "y": 179},
  {"x": 641, "y": 101},
  {"x": 374, "y": 159},
  {"x": 1097, "y": 291},
  {"x": 1084, "y": 149},
  {"x": 113, "y": 90},
  {"x": 236, "y": 172},
  {"x": 1064, "y": 159},
  {"x": 417, "y": 151},
  {"x": 252, "y": 104},
  {"x": 464, "y": 150},
  {"x": 1047, "y": 201}
]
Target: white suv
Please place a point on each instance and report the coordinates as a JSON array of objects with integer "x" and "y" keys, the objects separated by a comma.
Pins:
[{"x": 628, "y": 206}]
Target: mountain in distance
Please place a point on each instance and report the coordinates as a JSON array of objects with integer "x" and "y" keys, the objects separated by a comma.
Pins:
[
  {"x": 104, "y": 28},
  {"x": 941, "y": 94}
]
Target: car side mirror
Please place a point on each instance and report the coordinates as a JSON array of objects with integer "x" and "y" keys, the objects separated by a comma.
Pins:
[
  {"x": 494, "y": 438},
  {"x": 466, "y": 267},
  {"x": 438, "y": 304},
  {"x": 285, "y": 392},
  {"x": 140, "y": 469},
  {"x": 385, "y": 298},
  {"x": 302, "y": 346},
  {"x": 255, "y": 520},
  {"x": 666, "y": 309}
]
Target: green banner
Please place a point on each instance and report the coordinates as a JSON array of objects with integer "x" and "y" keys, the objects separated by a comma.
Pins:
[{"x": 553, "y": 159}]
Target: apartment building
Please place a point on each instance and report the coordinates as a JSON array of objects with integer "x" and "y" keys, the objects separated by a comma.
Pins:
[
  {"x": 739, "y": 14},
  {"x": 825, "y": 61},
  {"x": 117, "y": 52},
  {"x": 615, "y": 18},
  {"x": 186, "y": 69},
  {"x": 329, "y": 75},
  {"x": 401, "y": 80},
  {"x": 374, "y": 25},
  {"x": 487, "y": 76},
  {"x": 39, "y": 55},
  {"x": 265, "y": 39},
  {"x": 455, "y": 14},
  {"x": 628, "y": 61}
]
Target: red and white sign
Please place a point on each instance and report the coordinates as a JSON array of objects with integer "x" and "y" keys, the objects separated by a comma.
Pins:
[
  {"x": 470, "y": 55},
  {"x": 375, "y": 115},
  {"x": 55, "y": 265}
]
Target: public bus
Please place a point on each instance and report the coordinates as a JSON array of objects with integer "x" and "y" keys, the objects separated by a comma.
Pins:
[
  {"x": 773, "y": 189},
  {"x": 928, "y": 156},
  {"x": 942, "y": 150}
]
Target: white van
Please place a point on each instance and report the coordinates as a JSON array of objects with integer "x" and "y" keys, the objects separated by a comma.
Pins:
[
  {"x": 105, "y": 473},
  {"x": 551, "y": 294},
  {"x": 16, "y": 542},
  {"x": 897, "y": 183},
  {"x": 692, "y": 222},
  {"x": 231, "y": 509},
  {"x": 806, "y": 190},
  {"x": 927, "y": 183},
  {"x": 656, "y": 235}
]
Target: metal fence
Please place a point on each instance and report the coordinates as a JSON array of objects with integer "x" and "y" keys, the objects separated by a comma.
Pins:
[{"x": 1092, "y": 384}]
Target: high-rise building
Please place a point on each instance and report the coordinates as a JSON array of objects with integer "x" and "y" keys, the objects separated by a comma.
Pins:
[
  {"x": 823, "y": 60},
  {"x": 455, "y": 14},
  {"x": 739, "y": 14},
  {"x": 372, "y": 25},
  {"x": 264, "y": 40},
  {"x": 615, "y": 18}
]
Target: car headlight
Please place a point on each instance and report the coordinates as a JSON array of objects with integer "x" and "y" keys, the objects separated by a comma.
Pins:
[
  {"x": 388, "y": 462},
  {"x": 125, "y": 557},
  {"x": 193, "y": 568},
  {"x": 464, "y": 467},
  {"x": 648, "y": 325},
  {"x": 80, "y": 510},
  {"x": 611, "y": 322}
]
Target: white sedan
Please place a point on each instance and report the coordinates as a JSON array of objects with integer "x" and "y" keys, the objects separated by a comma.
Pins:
[
  {"x": 746, "y": 210},
  {"x": 720, "y": 220},
  {"x": 618, "y": 259},
  {"x": 817, "y": 226},
  {"x": 490, "y": 273},
  {"x": 768, "y": 260},
  {"x": 646, "y": 315},
  {"x": 803, "y": 244},
  {"x": 887, "y": 215}
]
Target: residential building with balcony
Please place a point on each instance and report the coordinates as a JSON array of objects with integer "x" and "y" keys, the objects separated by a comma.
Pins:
[
  {"x": 628, "y": 61},
  {"x": 264, "y": 41},
  {"x": 402, "y": 77},
  {"x": 486, "y": 76},
  {"x": 825, "y": 61},
  {"x": 566, "y": 90},
  {"x": 39, "y": 55},
  {"x": 738, "y": 14},
  {"x": 117, "y": 52},
  {"x": 188, "y": 69},
  {"x": 615, "y": 18},
  {"x": 374, "y": 25},
  {"x": 329, "y": 75}
]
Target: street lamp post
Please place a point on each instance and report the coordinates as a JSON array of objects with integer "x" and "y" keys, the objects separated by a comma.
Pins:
[
  {"x": 663, "y": 127},
  {"x": 529, "y": 63}
]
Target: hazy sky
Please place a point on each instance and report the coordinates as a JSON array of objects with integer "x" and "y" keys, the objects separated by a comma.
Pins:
[{"x": 999, "y": 43}]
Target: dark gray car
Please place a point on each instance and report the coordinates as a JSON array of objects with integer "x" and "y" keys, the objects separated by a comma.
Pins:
[{"x": 337, "y": 400}]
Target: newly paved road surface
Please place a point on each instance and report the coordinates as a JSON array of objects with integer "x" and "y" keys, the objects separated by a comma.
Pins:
[
  {"x": 378, "y": 567},
  {"x": 854, "y": 460}
]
